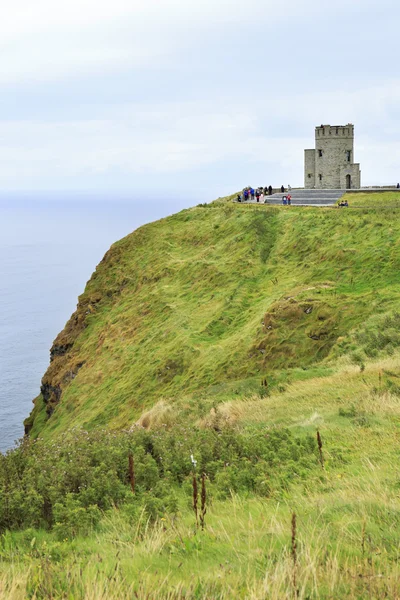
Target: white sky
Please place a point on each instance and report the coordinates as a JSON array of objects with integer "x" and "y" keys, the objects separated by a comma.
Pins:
[{"x": 201, "y": 97}]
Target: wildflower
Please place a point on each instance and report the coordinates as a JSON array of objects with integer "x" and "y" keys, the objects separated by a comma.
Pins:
[{"x": 193, "y": 460}]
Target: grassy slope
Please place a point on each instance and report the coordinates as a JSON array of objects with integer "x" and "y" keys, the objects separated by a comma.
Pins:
[
  {"x": 348, "y": 518},
  {"x": 207, "y": 302},
  {"x": 374, "y": 199}
]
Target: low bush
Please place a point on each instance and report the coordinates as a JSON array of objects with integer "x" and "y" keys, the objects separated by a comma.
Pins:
[
  {"x": 383, "y": 337},
  {"x": 65, "y": 484}
]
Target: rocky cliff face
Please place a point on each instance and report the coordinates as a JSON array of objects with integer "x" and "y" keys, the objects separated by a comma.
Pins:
[{"x": 65, "y": 362}]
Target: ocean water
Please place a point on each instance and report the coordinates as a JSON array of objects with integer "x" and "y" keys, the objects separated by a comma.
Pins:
[{"x": 49, "y": 247}]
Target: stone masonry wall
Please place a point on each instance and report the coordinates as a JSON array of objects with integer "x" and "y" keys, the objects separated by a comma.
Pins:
[
  {"x": 309, "y": 169},
  {"x": 331, "y": 165},
  {"x": 355, "y": 176}
]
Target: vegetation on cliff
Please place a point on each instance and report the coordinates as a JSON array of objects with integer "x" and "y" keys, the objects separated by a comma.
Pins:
[
  {"x": 257, "y": 345},
  {"x": 201, "y": 306}
]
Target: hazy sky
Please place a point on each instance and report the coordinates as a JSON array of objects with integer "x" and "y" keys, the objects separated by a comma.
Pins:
[{"x": 201, "y": 97}]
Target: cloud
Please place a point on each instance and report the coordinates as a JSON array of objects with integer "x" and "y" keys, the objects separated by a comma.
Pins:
[
  {"x": 135, "y": 142},
  {"x": 218, "y": 92},
  {"x": 45, "y": 40},
  {"x": 165, "y": 139}
]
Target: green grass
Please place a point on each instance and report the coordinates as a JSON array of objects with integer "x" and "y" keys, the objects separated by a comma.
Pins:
[
  {"x": 374, "y": 199},
  {"x": 347, "y": 539},
  {"x": 179, "y": 329},
  {"x": 217, "y": 297}
]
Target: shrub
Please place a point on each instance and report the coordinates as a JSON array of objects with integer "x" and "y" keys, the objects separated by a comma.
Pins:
[
  {"x": 348, "y": 412},
  {"x": 72, "y": 519},
  {"x": 66, "y": 484}
]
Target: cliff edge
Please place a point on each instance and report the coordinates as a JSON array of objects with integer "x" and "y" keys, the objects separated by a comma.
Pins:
[{"x": 213, "y": 302}]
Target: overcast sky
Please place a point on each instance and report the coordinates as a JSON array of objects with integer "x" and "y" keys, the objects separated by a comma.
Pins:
[{"x": 202, "y": 97}]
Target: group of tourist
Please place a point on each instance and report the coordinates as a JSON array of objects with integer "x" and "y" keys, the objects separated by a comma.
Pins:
[{"x": 259, "y": 194}]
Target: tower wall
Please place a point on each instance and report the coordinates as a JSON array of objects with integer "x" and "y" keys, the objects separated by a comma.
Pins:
[
  {"x": 352, "y": 171},
  {"x": 333, "y": 159},
  {"x": 309, "y": 169}
]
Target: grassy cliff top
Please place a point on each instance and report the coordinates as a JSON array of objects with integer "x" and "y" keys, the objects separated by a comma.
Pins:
[
  {"x": 234, "y": 334},
  {"x": 200, "y": 307}
]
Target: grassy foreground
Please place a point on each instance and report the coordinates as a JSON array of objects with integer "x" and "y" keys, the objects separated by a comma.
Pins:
[
  {"x": 76, "y": 530},
  {"x": 233, "y": 334}
]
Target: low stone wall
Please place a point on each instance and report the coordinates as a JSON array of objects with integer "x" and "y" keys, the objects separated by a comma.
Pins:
[{"x": 374, "y": 190}]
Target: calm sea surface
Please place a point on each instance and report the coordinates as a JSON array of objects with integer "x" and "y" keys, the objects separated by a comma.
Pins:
[{"x": 49, "y": 247}]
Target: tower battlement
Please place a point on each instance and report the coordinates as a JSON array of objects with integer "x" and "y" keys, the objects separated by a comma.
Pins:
[
  {"x": 339, "y": 131},
  {"x": 330, "y": 165}
]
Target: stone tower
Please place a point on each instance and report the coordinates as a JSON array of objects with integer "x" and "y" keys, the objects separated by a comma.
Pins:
[{"x": 331, "y": 165}]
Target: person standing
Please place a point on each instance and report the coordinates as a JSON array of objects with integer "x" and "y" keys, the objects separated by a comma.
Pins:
[
  {"x": 258, "y": 195},
  {"x": 270, "y": 190},
  {"x": 283, "y": 189},
  {"x": 252, "y": 193},
  {"x": 262, "y": 197}
]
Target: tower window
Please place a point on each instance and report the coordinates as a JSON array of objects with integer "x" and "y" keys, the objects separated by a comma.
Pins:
[
  {"x": 320, "y": 177},
  {"x": 348, "y": 155},
  {"x": 320, "y": 153},
  {"x": 337, "y": 130},
  {"x": 309, "y": 176}
]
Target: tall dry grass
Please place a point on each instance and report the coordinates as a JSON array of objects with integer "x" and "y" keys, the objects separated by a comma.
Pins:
[
  {"x": 271, "y": 555},
  {"x": 13, "y": 583}
]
